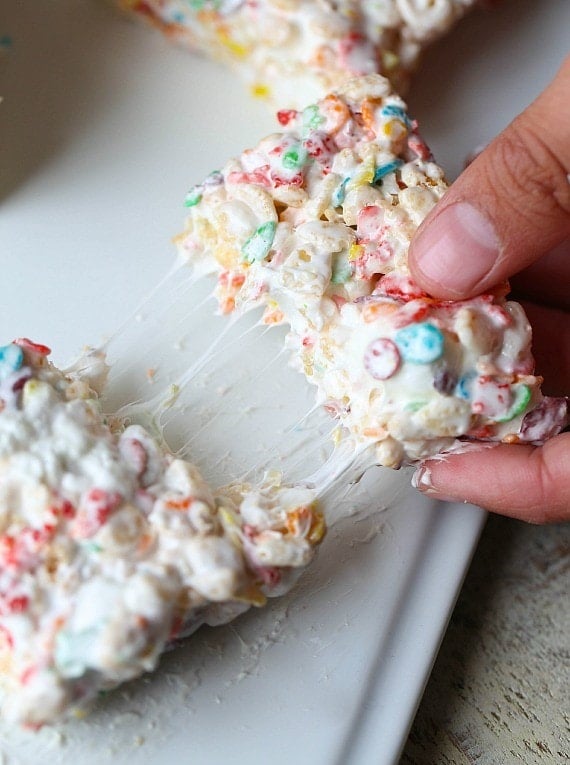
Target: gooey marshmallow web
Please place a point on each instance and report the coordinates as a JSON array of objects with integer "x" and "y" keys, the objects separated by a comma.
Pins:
[{"x": 112, "y": 547}]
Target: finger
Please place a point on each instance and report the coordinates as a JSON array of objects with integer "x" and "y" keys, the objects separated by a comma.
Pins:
[
  {"x": 547, "y": 280},
  {"x": 551, "y": 347},
  {"x": 526, "y": 482},
  {"x": 509, "y": 207}
]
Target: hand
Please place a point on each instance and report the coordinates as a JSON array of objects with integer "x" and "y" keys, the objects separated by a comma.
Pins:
[{"x": 508, "y": 215}]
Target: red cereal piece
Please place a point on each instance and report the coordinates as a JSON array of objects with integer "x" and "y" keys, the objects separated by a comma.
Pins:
[
  {"x": 483, "y": 432},
  {"x": 260, "y": 176},
  {"x": 134, "y": 453},
  {"x": 339, "y": 301},
  {"x": 18, "y": 604},
  {"x": 400, "y": 287},
  {"x": 28, "y": 345},
  {"x": 419, "y": 147},
  {"x": 6, "y": 639},
  {"x": 412, "y": 313},
  {"x": 370, "y": 224},
  {"x": 269, "y": 575},
  {"x": 545, "y": 420},
  {"x": 27, "y": 674},
  {"x": 94, "y": 511},
  {"x": 382, "y": 358},
  {"x": 175, "y": 627},
  {"x": 285, "y": 116},
  {"x": 278, "y": 180}
]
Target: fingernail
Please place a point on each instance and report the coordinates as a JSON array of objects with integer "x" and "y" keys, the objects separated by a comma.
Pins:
[
  {"x": 422, "y": 481},
  {"x": 458, "y": 249}
]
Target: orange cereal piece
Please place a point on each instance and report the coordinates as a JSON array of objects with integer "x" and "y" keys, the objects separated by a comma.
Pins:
[
  {"x": 376, "y": 310},
  {"x": 337, "y": 111}
]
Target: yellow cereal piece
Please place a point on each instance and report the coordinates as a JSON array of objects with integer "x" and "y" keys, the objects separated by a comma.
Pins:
[
  {"x": 260, "y": 90},
  {"x": 390, "y": 60},
  {"x": 227, "y": 518},
  {"x": 337, "y": 436},
  {"x": 231, "y": 526},
  {"x": 394, "y": 128},
  {"x": 251, "y": 594},
  {"x": 204, "y": 230},
  {"x": 318, "y": 527},
  {"x": 173, "y": 393},
  {"x": 366, "y": 174},
  {"x": 355, "y": 251},
  {"x": 236, "y": 49},
  {"x": 226, "y": 255},
  {"x": 376, "y": 433}
]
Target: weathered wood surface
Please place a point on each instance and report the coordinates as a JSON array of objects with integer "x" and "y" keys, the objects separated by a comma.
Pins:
[{"x": 500, "y": 689}]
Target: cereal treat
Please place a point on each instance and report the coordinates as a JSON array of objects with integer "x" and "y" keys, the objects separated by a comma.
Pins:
[
  {"x": 314, "y": 224},
  {"x": 295, "y": 51},
  {"x": 110, "y": 547}
]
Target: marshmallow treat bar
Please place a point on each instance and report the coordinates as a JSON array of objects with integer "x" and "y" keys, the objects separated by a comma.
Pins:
[
  {"x": 110, "y": 547},
  {"x": 314, "y": 224},
  {"x": 295, "y": 51}
]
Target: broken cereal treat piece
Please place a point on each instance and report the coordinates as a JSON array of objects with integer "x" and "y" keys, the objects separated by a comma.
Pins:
[
  {"x": 110, "y": 547},
  {"x": 295, "y": 51},
  {"x": 314, "y": 225}
]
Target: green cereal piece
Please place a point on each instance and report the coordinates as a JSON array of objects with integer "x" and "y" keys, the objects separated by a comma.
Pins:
[
  {"x": 256, "y": 248},
  {"x": 522, "y": 395},
  {"x": 193, "y": 197},
  {"x": 415, "y": 406},
  {"x": 312, "y": 117},
  {"x": 295, "y": 157},
  {"x": 72, "y": 650},
  {"x": 341, "y": 269}
]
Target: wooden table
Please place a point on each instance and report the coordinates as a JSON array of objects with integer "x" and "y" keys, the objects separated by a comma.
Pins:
[{"x": 500, "y": 689}]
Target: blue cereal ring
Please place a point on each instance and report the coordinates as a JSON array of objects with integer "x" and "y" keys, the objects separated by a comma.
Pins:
[
  {"x": 464, "y": 387},
  {"x": 11, "y": 359},
  {"x": 384, "y": 170},
  {"x": 420, "y": 343},
  {"x": 339, "y": 193},
  {"x": 390, "y": 110}
]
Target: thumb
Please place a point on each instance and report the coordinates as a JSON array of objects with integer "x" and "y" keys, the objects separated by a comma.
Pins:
[{"x": 509, "y": 207}]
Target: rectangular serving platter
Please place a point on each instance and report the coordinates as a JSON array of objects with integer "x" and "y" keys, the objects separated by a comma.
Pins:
[{"x": 104, "y": 128}]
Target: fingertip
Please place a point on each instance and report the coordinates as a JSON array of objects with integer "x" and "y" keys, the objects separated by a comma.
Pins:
[{"x": 454, "y": 251}]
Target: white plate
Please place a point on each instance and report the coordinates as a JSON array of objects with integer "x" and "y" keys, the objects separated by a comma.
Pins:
[{"x": 104, "y": 127}]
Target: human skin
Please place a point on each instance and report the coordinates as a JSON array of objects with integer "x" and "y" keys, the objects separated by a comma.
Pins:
[{"x": 508, "y": 217}]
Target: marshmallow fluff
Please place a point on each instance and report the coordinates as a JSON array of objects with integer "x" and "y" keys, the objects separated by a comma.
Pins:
[{"x": 110, "y": 547}]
